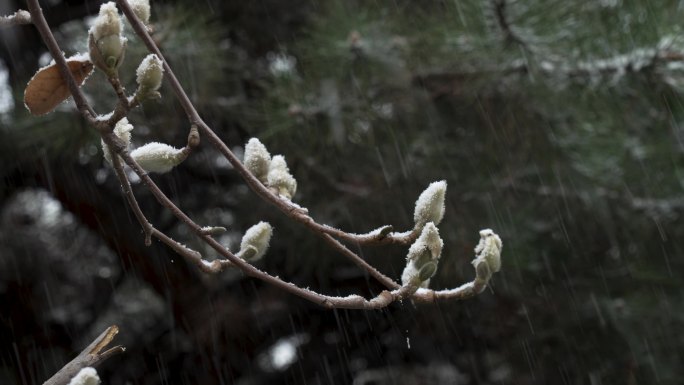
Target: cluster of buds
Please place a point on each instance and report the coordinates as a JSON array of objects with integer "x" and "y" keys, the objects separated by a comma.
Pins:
[
  {"x": 424, "y": 253},
  {"x": 152, "y": 157},
  {"x": 106, "y": 43},
  {"x": 272, "y": 172}
]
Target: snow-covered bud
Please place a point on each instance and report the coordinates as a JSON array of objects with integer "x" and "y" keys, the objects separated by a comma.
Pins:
[
  {"x": 430, "y": 204},
  {"x": 122, "y": 130},
  {"x": 86, "y": 376},
  {"x": 410, "y": 274},
  {"x": 108, "y": 22},
  {"x": 257, "y": 237},
  {"x": 423, "y": 256},
  {"x": 429, "y": 240},
  {"x": 280, "y": 179},
  {"x": 141, "y": 8},
  {"x": 487, "y": 254},
  {"x": 149, "y": 75},
  {"x": 158, "y": 157},
  {"x": 257, "y": 159},
  {"x": 106, "y": 45}
]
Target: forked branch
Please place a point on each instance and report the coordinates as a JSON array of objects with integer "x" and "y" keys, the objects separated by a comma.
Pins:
[{"x": 425, "y": 243}]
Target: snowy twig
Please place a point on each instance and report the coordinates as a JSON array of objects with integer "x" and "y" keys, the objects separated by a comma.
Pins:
[
  {"x": 662, "y": 61},
  {"x": 118, "y": 149},
  {"x": 371, "y": 238},
  {"x": 91, "y": 356}
]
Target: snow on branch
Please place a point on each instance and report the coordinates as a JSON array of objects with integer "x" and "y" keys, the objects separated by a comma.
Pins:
[
  {"x": 268, "y": 176},
  {"x": 19, "y": 17}
]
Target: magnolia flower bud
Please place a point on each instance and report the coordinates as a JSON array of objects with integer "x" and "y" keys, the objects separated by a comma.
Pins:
[
  {"x": 105, "y": 43},
  {"x": 108, "y": 22},
  {"x": 149, "y": 75},
  {"x": 482, "y": 271},
  {"x": 122, "y": 130},
  {"x": 409, "y": 274},
  {"x": 158, "y": 157},
  {"x": 141, "y": 8},
  {"x": 429, "y": 240},
  {"x": 423, "y": 256},
  {"x": 257, "y": 159},
  {"x": 86, "y": 376},
  {"x": 430, "y": 204},
  {"x": 487, "y": 255},
  {"x": 280, "y": 179},
  {"x": 258, "y": 238},
  {"x": 489, "y": 249}
]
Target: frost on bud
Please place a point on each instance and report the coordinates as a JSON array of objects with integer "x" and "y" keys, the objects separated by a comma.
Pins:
[
  {"x": 423, "y": 256},
  {"x": 280, "y": 179},
  {"x": 158, "y": 157},
  {"x": 149, "y": 75},
  {"x": 108, "y": 22},
  {"x": 123, "y": 131},
  {"x": 141, "y": 8},
  {"x": 86, "y": 376},
  {"x": 257, "y": 159},
  {"x": 487, "y": 254},
  {"x": 106, "y": 45},
  {"x": 256, "y": 237},
  {"x": 430, "y": 204}
]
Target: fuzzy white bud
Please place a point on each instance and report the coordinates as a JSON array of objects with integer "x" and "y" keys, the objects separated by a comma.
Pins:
[
  {"x": 106, "y": 45},
  {"x": 257, "y": 159},
  {"x": 141, "y": 8},
  {"x": 86, "y": 376},
  {"x": 257, "y": 237},
  {"x": 487, "y": 254},
  {"x": 122, "y": 130},
  {"x": 423, "y": 256},
  {"x": 149, "y": 74},
  {"x": 430, "y": 204},
  {"x": 280, "y": 179},
  {"x": 108, "y": 22},
  {"x": 158, "y": 157}
]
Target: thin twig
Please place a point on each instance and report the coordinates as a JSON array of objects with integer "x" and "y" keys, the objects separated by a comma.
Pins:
[
  {"x": 385, "y": 280},
  {"x": 93, "y": 355},
  {"x": 118, "y": 148},
  {"x": 148, "y": 229},
  {"x": 294, "y": 212}
]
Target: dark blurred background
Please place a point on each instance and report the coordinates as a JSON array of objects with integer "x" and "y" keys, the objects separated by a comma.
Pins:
[{"x": 555, "y": 123}]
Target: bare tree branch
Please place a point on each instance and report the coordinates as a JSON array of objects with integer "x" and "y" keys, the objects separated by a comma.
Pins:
[
  {"x": 293, "y": 211},
  {"x": 117, "y": 147},
  {"x": 93, "y": 355}
]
